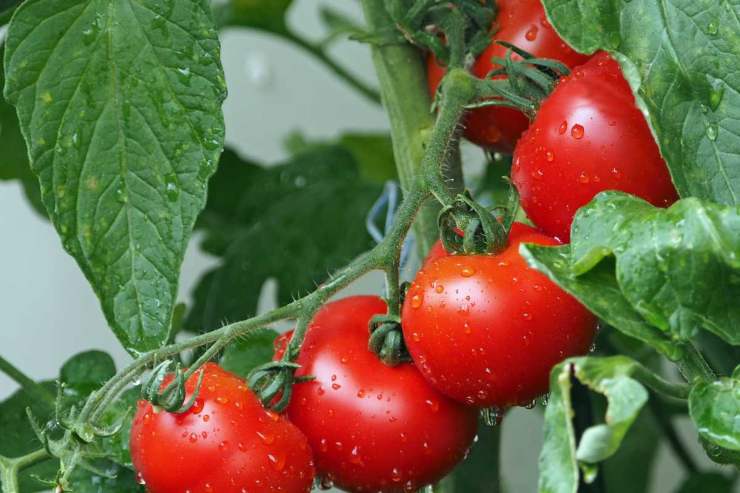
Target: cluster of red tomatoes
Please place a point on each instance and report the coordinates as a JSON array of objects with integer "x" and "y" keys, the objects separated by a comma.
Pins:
[{"x": 483, "y": 330}]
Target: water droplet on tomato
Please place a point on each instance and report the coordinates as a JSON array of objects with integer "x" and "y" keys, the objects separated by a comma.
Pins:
[
  {"x": 355, "y": 457},
  {"x": 583, "y": 177},
  {"x": 396, "y": 475},
  {"x": 323, "y": 445},
  {"x": 616, "y": 173},
  {"x": 222, "y": 400},
  {"x": 439, "y": 288},
  {"x": 416, "y": 301},
  {"x": 433, "y": 405},
  {"x": 531, "y": 33},
  {"x": 277, "y": 461},
  {"x": 140, "y": 478},
  {"x": 467, "y": 271},
  {"x": 563, "y": 127},
  {"x": 466, "y": 328},
  {"x": 336, "y": 386},
  {"x": 550, "y": 156},
  {"x": 482, "y": 395},
  {"x": 577, "y": 131},
  {"x": 267, "y": 438},
  {"x": 193, "y": 438},
  {"x": 415, "y": 336}
]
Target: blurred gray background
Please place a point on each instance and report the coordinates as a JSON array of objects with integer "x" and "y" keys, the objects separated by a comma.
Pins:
[{"x": 48, "y": 311}]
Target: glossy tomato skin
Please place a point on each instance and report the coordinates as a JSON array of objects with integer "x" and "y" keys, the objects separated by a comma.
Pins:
[
  {"x": 588, "y": 136},
  {"x": 226, "y": 443},
  {"x": 524, "y": 24},
  {"x": 372, "y": 428},
  {"x": 486, "y": 329}
]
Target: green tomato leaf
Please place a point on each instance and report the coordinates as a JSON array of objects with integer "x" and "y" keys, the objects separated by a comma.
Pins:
[
  {"x": 373, "y": 152},
  {"x": 249, "y": 352},
  {"x": 598, "y": 290},
  {"x": 715, "y": 408},
  {"x": 475, "y": 474},
  {"x": 268, "y": 15},
  {"x": 14, "y": 157},
  {"x": 561, "y": 456},
  {"x": 681, "y": 57},
  {"x": 120, "y": 105},
  {"x": 19, "y": 439},
  {"x": 81, "y": 374},
  {"x": 703, "y": 482},
  {"x": 294, "y": 223},
  {"x": 87, "y": 371},
  {"x": 121, "y": 480},
  {"x": 121, "y": 412},
  {"x": 677, "y": 267}
]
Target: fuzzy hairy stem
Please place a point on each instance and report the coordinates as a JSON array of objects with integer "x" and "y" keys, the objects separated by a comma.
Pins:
[{"x": 403, "y": 88}]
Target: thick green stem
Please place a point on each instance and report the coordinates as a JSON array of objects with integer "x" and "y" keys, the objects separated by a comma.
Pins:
[
  {"x": 693, "y": 366},
  {"x": 403, "y": 88},
  {"x": 35, "y": 390},
  {"x": 658, "y": 384}
]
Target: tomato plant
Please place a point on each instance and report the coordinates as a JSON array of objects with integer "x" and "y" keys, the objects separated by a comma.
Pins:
[
  {"x": 225, "y": 442},
  {"x": 372, "y": 427},
  {"x": 523, "y": 24},
  {"x": 588, "y": 136},
  {"x": 510, "y": 322},
  {"x": 625, "y": 187}
]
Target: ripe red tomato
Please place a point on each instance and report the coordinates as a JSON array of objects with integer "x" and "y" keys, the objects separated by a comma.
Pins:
[
  {"x": 226, "y": 443},
  {"x": 487, "y": 329},
  {"x": 372, "y": 427},
  {"x": 522, "y": 23},
  {"x": 588, "y": 137}
]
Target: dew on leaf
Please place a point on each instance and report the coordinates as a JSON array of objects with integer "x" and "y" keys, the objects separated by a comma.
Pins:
[
  {"x": 716, "y": 94},
  {"x": 713, "y": 28},
  {"x": 712, "y": 131},
  {"x": 170, "y": 186}
]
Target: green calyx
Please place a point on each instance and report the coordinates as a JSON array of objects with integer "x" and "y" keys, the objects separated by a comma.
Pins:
[
  {"x": 386, "y": 339},
  {"x": 273, "y": 383},
  {"x": 466, "y": 227},
  {"x": 171, "y": 398},
  {"x": 455, "y": 31},
  {"x": 529, "y": 80}
]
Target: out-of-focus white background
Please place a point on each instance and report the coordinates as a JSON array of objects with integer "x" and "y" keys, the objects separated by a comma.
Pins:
[{"x": 48, "y": 311}]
